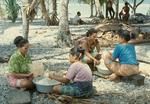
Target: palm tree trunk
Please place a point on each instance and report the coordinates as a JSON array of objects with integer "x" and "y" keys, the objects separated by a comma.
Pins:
[
  {"x": 134, "y": 5},
  {"x": 64, "y": 37},
  {"x": 45, "y": 13},
  {"x": 98, "y": 8},
  {"x": 53, "y": 17},
  {"x": 117, "y": 9},
  {"x": 92, "y": 8},
  {"x": 28, "y": 14},
  {"x": 25, "y": 23}
]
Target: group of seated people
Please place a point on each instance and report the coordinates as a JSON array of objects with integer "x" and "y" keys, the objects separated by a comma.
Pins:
[{"x": 83, "y": 57}]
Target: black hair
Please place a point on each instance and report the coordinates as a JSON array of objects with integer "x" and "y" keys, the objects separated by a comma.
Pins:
[
  {"x": 132, "y": 35},
  {"x": 124, "y": 34},
  {"x": 90, "y": 32},
  {"x": 19, "y": 41},
  {"x": 78, "y": 13},
  {"x": 77, "y": 51},
  {"x": 126, "y": 3}
]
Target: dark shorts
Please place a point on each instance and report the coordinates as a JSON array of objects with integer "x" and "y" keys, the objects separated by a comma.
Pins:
[{"x": 77, "y": 89}]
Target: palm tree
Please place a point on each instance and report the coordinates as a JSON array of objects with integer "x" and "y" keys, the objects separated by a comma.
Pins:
[
  {"x": 53, "y": 17},
  {"x": 64, "y": 37},
  {"x": 117, "y": 8},
  {"x": 98, "y": 8},
  {"x": 45, "y": 12},
  {"x": 12, "y": 9},
  {"x": 28, "y": 14},
  {"x": 98, "y": 5},
  {"x": 92, "y": 3},
  {"x": 50, "y": 20}
]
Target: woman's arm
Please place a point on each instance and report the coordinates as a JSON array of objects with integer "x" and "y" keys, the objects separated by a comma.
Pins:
[
  {"x": 18, "y": 75},
  {"x": 91, "y": 57},
  {"x": 59, "y": 78}
]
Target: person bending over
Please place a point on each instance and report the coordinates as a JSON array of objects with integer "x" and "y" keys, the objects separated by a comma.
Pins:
[
  {"x": 78, "y": 79},
  {"x": 92, "y": 48}
]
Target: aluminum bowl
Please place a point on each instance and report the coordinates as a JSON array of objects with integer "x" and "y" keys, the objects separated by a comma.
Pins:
[{"x": 46, "y": 88}]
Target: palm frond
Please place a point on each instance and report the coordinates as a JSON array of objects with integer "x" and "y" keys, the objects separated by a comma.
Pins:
[{"x": 12, "y": 9}]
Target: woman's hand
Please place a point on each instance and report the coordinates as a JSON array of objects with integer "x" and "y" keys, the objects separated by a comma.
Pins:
[
  {"x": 30, "y": 75},
  {"x": 51, "y": 75},
  {"x": 96, "y": 62}
]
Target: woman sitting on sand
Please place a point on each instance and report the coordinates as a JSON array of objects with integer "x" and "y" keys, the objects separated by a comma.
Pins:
[
  {"x": 20, "y": 76},
  {"x": 78, "y": 79},
  {"x": 126, "y": 55}
]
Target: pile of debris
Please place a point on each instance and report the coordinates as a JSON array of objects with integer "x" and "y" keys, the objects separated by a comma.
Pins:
[{"x": 107, "y": 32}]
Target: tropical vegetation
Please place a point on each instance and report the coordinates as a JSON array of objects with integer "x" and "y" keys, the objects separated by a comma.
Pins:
[{"x": 12, "y": 9}]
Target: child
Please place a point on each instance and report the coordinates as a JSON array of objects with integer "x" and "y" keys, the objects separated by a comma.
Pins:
[
  {"x": 20, "y": 75},
  {"x": 79, "y": 73},
  {"x": 126, "y": 55}
]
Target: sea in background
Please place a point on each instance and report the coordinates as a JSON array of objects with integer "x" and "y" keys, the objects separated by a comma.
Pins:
[{"x": 86, "y": 11}]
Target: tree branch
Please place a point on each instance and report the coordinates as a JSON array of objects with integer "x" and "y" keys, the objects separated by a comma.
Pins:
[{"x": 139, "y": 3}]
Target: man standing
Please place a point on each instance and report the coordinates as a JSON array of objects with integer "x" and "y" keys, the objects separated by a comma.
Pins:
[
  {"x": 124, "y": 14},
  {"x": 110, "y": 9}
]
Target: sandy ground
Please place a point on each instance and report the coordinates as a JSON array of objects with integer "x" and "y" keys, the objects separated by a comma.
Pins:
[{"x": 42, "y": 39}]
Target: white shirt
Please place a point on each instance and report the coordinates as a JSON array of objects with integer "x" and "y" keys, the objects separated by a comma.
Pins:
[{"x": 76, "y": 19}]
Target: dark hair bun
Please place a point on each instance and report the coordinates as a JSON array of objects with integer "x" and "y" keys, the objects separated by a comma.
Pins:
[
  {"x": 90, "y": 32},
  {"x": 78, "y": 51},
  {"x": 19, "y": 41}
]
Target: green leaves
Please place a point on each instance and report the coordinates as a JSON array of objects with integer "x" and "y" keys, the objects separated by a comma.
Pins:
[
  {"x": 102, "y": 2},
  {"x": 12, "y": 9}
]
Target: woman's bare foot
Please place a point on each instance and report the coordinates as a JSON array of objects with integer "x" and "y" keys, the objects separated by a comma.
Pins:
[{"x": 113, "y": 77}]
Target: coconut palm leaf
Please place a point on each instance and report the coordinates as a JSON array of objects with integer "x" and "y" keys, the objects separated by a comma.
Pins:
[{"x": 12, "y": 9}]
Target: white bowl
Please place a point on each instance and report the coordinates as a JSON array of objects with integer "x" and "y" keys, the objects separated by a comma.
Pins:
[{"x": 45, "y": 87}]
